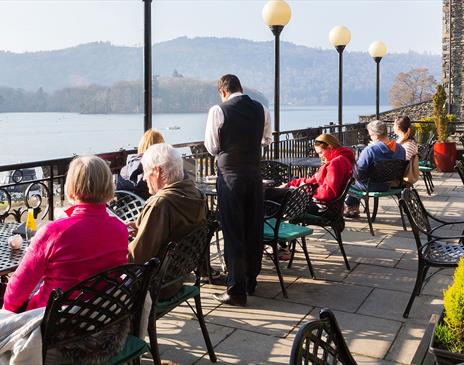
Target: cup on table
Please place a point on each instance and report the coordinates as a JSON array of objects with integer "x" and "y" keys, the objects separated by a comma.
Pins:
[{"x": 15, "y": 241}]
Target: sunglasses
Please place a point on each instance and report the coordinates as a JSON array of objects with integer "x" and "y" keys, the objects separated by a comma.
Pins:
[{"x": 320, "y": 143}]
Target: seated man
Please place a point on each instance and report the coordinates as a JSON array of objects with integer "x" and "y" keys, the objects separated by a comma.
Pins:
[
  {"x": 174, "y": 209},
  {"x": 381, "y": 148}
]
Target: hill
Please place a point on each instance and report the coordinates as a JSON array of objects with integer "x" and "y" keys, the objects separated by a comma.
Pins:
[{"x": 309, "y": 76}]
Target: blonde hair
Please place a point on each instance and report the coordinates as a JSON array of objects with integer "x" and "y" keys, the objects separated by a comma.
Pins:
[
  {"x": 149, "y": 138},
  {"x": 89, "y": 180},
  {"x": 328, "y": 139}
]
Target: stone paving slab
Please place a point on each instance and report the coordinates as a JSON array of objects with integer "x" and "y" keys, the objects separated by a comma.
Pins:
[
  {"x": 382, "y": 277},
  {"x": 321, "y": 293},
  {"x": 370, "y": 255},
  {"x": 262, "y": 315},
  {"x": 182, "y": 340},
  {"x": 363, "y": 238},
  {"x": 398, "y": 243},
  {"x": 406, "y": 344},
  {"x": 244, "y": 347},
  {"x": 390, "y": 304}
]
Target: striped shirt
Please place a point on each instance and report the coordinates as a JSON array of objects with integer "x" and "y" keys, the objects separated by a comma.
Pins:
[{"x": 410, "y": 146}]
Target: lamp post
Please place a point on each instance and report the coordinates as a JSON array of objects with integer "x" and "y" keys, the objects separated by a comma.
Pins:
[
  {"x": 276, "y": 15},
  {"x": 339, "y": 37},
  {"x": 147, "y": 120},
  {"x": 377, "y": 50}
]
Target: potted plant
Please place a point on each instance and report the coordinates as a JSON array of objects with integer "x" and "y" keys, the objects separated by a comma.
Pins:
[
  {"x": 444, "y": 152},
  {"x": 447, "y": 343}
]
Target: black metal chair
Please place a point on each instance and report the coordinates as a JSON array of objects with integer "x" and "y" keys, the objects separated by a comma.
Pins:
[
  {"x": 331, "y": 219},
  {"x": 126, "y": 205},
  {"x": 275, "y": 171},
  {"x": 277, "y": 230},
  {"x": 99, "y": 316},
  {"x": 180, "y": 259},
  {"x": 321, "y": 342},
  {"x": 434, "y": 252},
  {"x": 460, "y": 169},
  {"x": 426, "y": 165},
  {"x": 386, "y": 171}
]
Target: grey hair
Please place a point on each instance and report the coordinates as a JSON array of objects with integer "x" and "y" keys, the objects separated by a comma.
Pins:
[
  {"x": 167, "y": 158},
  {"x": 378, "y": 127}
]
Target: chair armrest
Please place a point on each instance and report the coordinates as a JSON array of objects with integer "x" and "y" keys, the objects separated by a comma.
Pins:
[
  {"x": 272, "y": 207},
  {"x": 436, "y": 238}
]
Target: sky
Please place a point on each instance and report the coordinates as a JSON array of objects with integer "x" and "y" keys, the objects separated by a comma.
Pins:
[{"x": 403, "y": 25}]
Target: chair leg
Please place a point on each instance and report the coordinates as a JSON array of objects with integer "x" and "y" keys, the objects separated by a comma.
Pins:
[
  {"x": 421, "y": 270},
  {"x": 338, "y": 234},
  {"x": 204, "y": 330},
  {"x": 426, "y": 183},
  {"x": 369, "y": 221},
  {"x": 308, "y": 261},
  {"x": 432, "y": 185},
  {"x": 292, "y": 254},
  {"x": 275, "y": 259},
  {"x": 403, "y": 221},
  {"x": 376, "y": 208},
  {"x": 219, "y": 252},
  {"x": 154, "y": 349}
]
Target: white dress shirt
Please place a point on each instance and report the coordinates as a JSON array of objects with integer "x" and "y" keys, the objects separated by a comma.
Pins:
[{"x": 216, "y": 120}]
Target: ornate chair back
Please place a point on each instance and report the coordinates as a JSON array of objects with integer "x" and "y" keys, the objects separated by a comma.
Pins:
[
  {"x": 296, "y": 203},
  {"x": 126, "y": 205},
  {"x": 387, "y": 171},
  {"x": 80, "y": 320},
  {"x": 182, "y": 257},
  {"x": 417, "y": 215},
  {"x": 275, "y": 171},
  {"x": 321, "y": 342}
]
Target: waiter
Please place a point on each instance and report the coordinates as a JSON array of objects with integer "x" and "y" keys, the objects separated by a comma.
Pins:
[{"x": 235, "y": 131}]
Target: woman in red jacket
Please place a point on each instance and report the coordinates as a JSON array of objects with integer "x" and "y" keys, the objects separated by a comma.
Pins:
[
  {"x": 334, "y": 174},
  {"x": 331, "y": 177}
]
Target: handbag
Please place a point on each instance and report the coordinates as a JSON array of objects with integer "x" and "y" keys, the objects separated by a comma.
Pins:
[{"x": 412, "y": 173}]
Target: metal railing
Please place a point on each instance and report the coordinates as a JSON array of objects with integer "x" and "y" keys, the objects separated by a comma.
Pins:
[{"x": 20, "y": 189}]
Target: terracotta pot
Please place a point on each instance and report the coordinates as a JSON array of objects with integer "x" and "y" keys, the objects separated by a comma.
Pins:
[{"x": 444, "y": 154}]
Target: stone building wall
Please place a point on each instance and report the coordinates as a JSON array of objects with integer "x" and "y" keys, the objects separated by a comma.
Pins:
[
  {"x": 457, "y": 60},
  {"x": 413, "y": 111}
]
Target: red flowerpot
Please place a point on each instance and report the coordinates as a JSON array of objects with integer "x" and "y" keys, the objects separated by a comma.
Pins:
[{"x": 444, "y": 154}]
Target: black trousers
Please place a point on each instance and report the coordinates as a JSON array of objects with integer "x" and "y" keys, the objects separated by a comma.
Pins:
[{"x": 241, "y": 211}]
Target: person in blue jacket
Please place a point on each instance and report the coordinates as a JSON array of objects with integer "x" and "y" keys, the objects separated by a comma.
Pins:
[{"x": 382, "y": 148}]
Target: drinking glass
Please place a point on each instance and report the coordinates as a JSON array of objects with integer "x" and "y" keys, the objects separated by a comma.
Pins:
[{"x": 31, "y": 226}]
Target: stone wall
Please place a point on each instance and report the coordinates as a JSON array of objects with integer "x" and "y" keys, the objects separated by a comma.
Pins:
[
  {"x": 413, "y": 111},
  {"x": 457, "y": 60}
]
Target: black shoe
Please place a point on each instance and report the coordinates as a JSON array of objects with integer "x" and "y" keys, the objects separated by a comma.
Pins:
[
  {"x": 251, "y": 290},
  {"x": 230, "y": 299}
]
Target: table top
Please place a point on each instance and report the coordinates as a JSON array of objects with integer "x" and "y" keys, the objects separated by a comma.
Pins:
[
  {"x": 313, "y": 162},
  {"x": 9, "y": 259}
]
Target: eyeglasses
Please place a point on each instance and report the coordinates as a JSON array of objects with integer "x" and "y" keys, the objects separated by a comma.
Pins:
[{"x": 320, "y": 143}]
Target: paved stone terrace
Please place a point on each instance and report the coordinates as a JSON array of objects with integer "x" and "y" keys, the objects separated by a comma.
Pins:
[{"x": 368, "y": 301}]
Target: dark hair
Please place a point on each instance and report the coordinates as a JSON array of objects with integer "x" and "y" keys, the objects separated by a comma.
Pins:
[
  {"x": 229, "y": 83},
  {"x": 403, "y": 123}
]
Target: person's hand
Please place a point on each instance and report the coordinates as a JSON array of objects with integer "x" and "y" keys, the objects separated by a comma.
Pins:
[
  {"x": 284, "y": 185},
  {"x": 132, "y": 229}
]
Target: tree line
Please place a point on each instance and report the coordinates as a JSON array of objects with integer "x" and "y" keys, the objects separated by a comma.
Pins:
[{"x": 170, "y": 95}]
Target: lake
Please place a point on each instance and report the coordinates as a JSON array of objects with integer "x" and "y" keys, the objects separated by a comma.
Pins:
[{"x": 41, "y": 136}]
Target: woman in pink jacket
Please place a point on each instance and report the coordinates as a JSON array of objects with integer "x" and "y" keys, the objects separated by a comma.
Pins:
[{"x": 71, "y": 249}]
